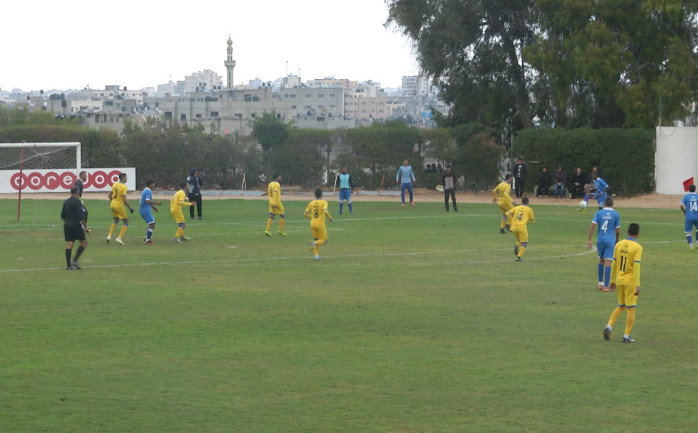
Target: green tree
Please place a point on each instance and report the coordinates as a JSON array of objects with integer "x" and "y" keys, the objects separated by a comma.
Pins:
[
  {"x": 299, "y": 158},
  {"x": 607, "y": 63},
  {"x": 269, "y": 131},
  {"x": 472, "y": 48}
]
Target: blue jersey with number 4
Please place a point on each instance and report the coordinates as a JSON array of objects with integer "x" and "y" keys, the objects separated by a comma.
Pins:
[{"x": 607, "y": 220}]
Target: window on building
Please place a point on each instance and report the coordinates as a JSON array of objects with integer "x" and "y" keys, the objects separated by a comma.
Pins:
[
  {"x": 198, "y": 116},
  {"x": 168, "y": 115},
  {"x": 182, "y": 117},
  {"x": 214, "y": 113},
  {"x": 321, "y": 95}
]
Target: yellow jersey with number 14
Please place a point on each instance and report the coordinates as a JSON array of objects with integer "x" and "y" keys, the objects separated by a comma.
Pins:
[{"x": 520, "y": 216}]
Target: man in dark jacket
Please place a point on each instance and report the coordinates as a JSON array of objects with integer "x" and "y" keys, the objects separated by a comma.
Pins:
[
  {"x": 448, "y": 181},
  {"x": 195, "y": 184},
  {"x": 74, "y": 228},
  {"x": 578, "y": 182},
  {"x": 544, "y": 182},
  {"x": 519, "y": 177}
]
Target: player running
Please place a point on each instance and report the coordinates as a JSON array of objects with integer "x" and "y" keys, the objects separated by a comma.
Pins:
[
  {"x": 502, "y": 196},
  {"x": 600, "y": 188},
  {"x": 176, "y": 202},
  {"x": 117, "y": 197},
  {"x": 689, "y": 206},
  {"x": 519, "y": 217},
  {"x": 275, "y": 205},
  {"x": 608, "y": 222},
  {"x": 317, "y": 211},
  {"x": 625, "y": 280},
  {"x": 147, "y": 204}
]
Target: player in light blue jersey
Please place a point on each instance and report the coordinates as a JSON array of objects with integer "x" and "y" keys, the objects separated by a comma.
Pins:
[
  {"x": 689, "y": 206},
  {"x": 346, "y": 188},
  {"x": 608, "y": 222},
  {"x": 147, "y": 204},
  {"x": 600, "y": 188},
  {"x": 405, "y": 177}
]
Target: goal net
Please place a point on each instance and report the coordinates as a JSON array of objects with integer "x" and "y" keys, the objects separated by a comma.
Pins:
[{"x": 38, "y": 167}]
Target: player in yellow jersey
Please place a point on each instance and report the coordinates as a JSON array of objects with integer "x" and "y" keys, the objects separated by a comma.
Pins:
[
  {"x": 275, "y": 205},
  {"x": 117, "y": 201},
  {"x": 176, "y": 202},
  {"x": 519, "y": 217},
  {"x": 625, "y": 280},
  {"x": 317, "y": 211},
  {"x": 502, "y": 196}
]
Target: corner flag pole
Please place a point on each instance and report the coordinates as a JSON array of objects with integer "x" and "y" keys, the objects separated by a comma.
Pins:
[
  {"x": 243, "y": 187},
  {"x": 381, "y": 186},
  {"x": 19, "y": 194}
]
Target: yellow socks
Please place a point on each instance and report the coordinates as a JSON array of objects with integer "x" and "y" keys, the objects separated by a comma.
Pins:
[
  {"x": 629, "y": 320},
  {"x": 111, "y": 229},
  {"x": 616, "y": 313},
  {"x": 269, "y": 221},
  {"x": 122, "y": 232},
  {"x": 282, "y": 223},
  {"x": 522, "y": 250}
]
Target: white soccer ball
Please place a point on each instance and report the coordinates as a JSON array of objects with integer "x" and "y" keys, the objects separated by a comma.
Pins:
[{"x": 583, "y": 204}]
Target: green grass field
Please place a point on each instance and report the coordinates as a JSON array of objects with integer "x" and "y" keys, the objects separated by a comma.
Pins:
[{"x": 416, "y": 320}]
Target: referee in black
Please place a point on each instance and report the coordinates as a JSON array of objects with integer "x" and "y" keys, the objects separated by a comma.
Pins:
[{"x": 74, "y": 228}]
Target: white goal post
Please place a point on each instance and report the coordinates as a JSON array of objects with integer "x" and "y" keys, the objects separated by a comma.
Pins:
[{"x": 52, "y": 166}]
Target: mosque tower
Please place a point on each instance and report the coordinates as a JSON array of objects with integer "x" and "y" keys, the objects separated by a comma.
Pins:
[{"x": 230, "y": 63}]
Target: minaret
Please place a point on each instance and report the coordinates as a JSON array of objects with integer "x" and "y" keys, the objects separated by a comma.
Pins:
[{"x": 230, "y": 63}]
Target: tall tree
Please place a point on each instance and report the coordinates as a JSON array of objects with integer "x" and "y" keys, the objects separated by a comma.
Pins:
[
  {"x": 473, "y": 50},
  {"x": 607, "y": 63}
]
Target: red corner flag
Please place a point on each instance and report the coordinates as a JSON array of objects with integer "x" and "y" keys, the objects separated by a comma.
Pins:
[{"x": 686, "y": 183}]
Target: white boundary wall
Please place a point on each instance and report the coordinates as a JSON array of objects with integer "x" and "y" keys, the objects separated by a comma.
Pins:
[
  {"x": 61, "y": 180},
  {"x": 676, "y": 158}
]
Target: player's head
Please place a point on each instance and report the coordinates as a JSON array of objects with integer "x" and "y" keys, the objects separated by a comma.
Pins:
[
  {"x": 318, "y": 193},
  {"x": 544, "y": 169},
  {"x": 405, "y": 162},
  {"x": 448, "y": 168},
  {"x": 82, "y": 175},
  {"x": 344, "y": 170},
  {"x": 122, "y": 177},
  {"x": 276, "y": 177},
  {"x": 508, "y": 177},
  {"x": 634, "y": 229},
  {"x": 594, "y": 175},
  {"x": 692, "y": 188},
  {"x": 193, "y": 172},
  {"x": 519, "y": 161},
  {"x": 74, "y": 191},
  {"x": 183, "y": 184},
  {"x": 149, "y": 183},
  {"x": 608, "y": 202},
  {"x": 524, "y": 200}
]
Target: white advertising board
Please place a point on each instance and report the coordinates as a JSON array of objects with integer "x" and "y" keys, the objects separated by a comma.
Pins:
[{"x": 61, "y": 180}]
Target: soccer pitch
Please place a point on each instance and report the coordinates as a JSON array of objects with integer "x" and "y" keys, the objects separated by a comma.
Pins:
[{"x": 416, "y": 320}]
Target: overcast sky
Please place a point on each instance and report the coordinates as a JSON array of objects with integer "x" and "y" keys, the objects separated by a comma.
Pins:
[{"x": 78, "y": 43}]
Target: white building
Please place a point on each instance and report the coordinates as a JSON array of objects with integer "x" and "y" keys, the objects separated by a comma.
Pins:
[{"x": 202, "y": 80}]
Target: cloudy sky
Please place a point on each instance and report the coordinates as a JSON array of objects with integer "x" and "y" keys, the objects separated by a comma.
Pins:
[{"x": 78, "y": 43}]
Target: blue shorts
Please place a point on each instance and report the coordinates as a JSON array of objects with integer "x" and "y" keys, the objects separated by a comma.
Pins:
[
  {"x": 689, "y": 224},
  {"x": 605, "y": 248},
  {"x": 602, "y": 198},
  {"x": 147, "y": 216},
  {"x": 345, "y": 194}
]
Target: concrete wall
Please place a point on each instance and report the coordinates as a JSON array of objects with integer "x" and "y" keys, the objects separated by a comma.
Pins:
[{"x": 676, "y": 158}]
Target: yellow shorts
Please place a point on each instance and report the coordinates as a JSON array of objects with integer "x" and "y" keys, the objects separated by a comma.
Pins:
[
  {"x": 279, "y": 209},
  {"x": 505, "y": 207},
  {"x": 178, "y": 216},
  {"x": 520, "y": 233},
  {"x": 626, "y": 295},
  {"x": 119, "y": 212},
  {"x": 319, "y": 233}
]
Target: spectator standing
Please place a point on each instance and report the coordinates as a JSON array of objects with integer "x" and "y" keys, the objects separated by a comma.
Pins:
[
  {"x": 544, "y": 181},
  {"x": 560, "y": 179},
  {"x": 195, "y": 184},
  {"x": 448, "y": 181},
  {"x": 519, "y": 177}
]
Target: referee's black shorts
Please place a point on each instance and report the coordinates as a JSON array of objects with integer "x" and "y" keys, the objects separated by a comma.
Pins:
[{"x": 73, "y": 232}]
